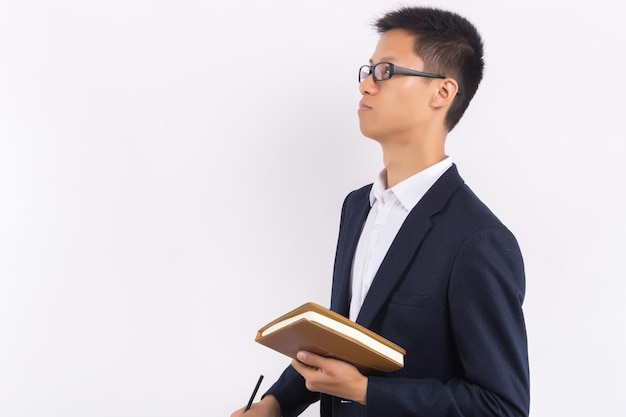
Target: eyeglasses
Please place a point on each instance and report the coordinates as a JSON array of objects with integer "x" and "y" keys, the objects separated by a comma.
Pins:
[{"x": 385, "y": 70}]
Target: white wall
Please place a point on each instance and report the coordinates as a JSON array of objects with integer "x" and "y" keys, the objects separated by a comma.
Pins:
[{"x": 171, "y": 175}]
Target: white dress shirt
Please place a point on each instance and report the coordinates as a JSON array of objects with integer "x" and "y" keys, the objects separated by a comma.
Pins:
[{"x": 389, "y": 208}]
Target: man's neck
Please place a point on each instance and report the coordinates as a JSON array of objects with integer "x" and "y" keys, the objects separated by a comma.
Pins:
[{"x": 410, "y": 157}]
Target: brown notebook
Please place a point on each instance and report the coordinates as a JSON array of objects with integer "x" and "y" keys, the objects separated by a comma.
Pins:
[{"x": 317, "y": 329}]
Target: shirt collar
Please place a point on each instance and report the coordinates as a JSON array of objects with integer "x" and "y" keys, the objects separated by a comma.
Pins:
[{"x": 410, "y": 191}]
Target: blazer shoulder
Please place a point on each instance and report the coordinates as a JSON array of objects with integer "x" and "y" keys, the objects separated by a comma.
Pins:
[
  {"x": 469, "y": 205},
  {"x": 453, "y": 199}
]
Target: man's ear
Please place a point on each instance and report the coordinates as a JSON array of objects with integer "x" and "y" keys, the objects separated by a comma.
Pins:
[{"x": 448, "y": 89}]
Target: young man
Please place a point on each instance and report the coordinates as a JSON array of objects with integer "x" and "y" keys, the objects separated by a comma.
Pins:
[{"x": 420, "y": 260}]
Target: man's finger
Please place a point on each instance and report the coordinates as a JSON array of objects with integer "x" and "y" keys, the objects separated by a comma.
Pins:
[{"x": 310, "y": 359}]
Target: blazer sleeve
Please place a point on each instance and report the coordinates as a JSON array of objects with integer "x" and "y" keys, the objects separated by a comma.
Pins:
[
  {"x": 291, "y": 393},
  {"x": 486, "y": 291}
]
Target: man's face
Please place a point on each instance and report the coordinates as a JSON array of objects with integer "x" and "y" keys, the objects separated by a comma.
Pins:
[{"x": 397, "y": 108}]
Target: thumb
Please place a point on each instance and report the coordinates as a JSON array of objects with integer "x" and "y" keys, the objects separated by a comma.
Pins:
[{"x": 310, "y": 359}]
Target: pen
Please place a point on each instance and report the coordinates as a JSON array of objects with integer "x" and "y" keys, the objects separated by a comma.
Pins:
[{"x": 258, "y": 384}]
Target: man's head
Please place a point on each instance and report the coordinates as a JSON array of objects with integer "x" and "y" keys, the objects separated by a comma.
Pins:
[{"x": 444, "y": 43}]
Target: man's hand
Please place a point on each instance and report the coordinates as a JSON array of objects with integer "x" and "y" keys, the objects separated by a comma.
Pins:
[
  {"x": 331, "y": 376},
  {"x": 267, "y": 407}
]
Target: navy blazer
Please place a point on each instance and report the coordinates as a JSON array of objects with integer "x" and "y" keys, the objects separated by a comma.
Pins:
[{"x": 449, "y": 291}]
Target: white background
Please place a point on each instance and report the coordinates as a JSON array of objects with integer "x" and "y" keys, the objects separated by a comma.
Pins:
[{"x": 172, "y": 172}]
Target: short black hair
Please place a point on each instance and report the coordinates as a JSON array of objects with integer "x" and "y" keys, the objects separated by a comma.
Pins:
[{"x": 448, "y": 44}]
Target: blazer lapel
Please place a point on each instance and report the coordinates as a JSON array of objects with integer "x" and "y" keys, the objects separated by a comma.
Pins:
[
  {"x": 356, "y": 213},
  {"x": 407, "y": 243}
]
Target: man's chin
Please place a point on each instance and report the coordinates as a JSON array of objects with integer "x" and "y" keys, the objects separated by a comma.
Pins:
[{"x": 371, "y": 135}]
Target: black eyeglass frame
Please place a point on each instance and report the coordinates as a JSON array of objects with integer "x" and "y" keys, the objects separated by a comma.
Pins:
[{"x": 394, "y": 69}]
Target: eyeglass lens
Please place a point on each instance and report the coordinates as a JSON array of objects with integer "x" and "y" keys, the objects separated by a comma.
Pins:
[
  {"x": 364, "y": 72},
  {"x": 381, "y": 71}
]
